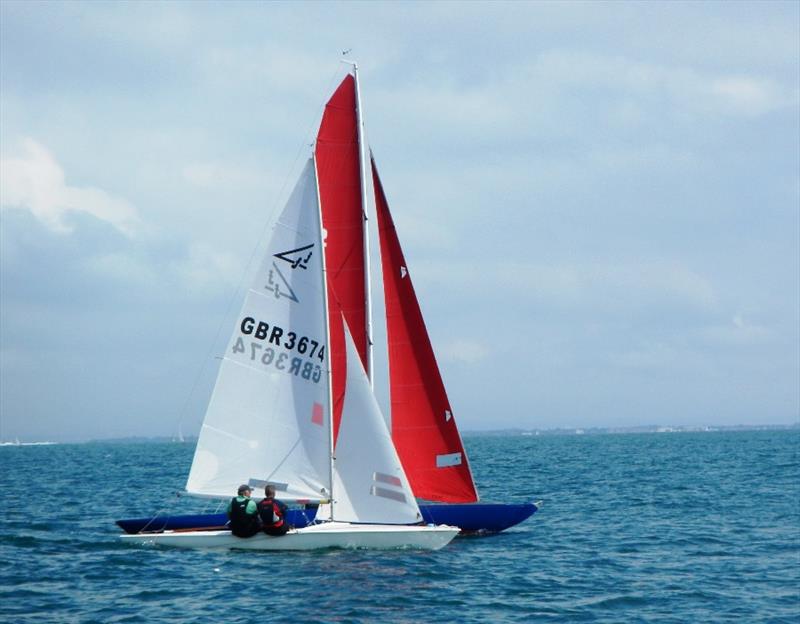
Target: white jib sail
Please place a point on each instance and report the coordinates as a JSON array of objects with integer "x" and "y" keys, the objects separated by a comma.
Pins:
[
  {"x": 268, "y": 418},
  {"x": 369, "y": 483}
]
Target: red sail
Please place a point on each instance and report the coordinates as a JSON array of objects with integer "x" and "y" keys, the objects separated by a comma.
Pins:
[
  {"x": 339, "y": 179},
  {"x": 423, "y": 428}
]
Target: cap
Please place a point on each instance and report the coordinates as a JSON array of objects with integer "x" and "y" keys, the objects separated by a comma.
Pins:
[{"x": 244, "y": 488}]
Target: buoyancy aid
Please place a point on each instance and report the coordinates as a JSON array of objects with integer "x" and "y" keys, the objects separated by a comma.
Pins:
[
  {"x": 271, "y": 514},
  {"x": 243, "y": 524}
]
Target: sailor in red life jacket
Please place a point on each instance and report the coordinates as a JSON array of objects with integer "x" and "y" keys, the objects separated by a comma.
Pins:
[{"x": 273, "y": 513}]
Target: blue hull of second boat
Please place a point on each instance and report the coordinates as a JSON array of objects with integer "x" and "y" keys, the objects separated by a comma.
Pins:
[
  {"x": 470, "y": 518},
  {"x": 479, "y": 517}
]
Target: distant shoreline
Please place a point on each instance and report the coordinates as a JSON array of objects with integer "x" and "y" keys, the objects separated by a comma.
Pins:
[
  {"x": 558, "y": 431},
  {"x": 632, "y": 430}
]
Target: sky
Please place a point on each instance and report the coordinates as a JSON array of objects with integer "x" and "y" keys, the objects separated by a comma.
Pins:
[{"x": 598, "y": 202}]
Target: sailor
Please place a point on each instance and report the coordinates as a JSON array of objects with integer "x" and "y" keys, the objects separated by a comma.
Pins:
[
  {"x": 273, "y": 513},
  {"x": 243, "y": 514}
]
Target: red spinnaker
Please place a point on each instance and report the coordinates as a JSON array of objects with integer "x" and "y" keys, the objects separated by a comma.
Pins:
[
  {"x": 339, "y": 179},
  {"x": 423, "y": 428}
]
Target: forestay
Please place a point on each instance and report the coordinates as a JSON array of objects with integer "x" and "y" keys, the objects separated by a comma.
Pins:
[{"x": 268, "y": 417}]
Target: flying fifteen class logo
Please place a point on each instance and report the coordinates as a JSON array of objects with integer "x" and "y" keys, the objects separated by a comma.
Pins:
[
  {"x": 277, "y": 284},
  {"x": 297, "y": 258},
  {"x": 276, "y": 280}
]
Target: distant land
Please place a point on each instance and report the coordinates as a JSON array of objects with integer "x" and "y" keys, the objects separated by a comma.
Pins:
[
  {"x": 630, "y": 430},
  {"x": 561, "y": 431}
]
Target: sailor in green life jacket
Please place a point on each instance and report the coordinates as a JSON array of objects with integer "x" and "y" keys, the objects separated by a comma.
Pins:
[
  {"x": 243, "y": 514},
  {"x": 273, "y": 513}
]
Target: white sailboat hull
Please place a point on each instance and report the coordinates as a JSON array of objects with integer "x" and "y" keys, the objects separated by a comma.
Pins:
[{"x": 314, "y": 537}]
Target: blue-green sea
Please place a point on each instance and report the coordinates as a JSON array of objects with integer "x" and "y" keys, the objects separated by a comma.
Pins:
[{"x": 672, "y": 527}]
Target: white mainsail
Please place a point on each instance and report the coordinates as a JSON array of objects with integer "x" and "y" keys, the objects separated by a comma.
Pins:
[{"x": 268, "y": 419}]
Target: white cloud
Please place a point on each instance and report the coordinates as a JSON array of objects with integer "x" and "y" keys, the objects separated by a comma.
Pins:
[
  {"x": 205, "y": 270},
  {"x": 240, "y": 66},
  {"x": 649, "y": 356},
  {"x": 652, "y": 281},
  {"x": 198, "y": 272},
  {"x": 739, "y": 332},
  {"x": 33, "y": 180},
  {"x": 750, "y": 96},
  {"x": 683, "y": 89},
  {"x": 609, "y": 286},
  {"x": 465, "y": 351},
  {"x": 213, "y": 176},
  {"x": 124, "y": 268},
  {"x": 596, "y": 192}
]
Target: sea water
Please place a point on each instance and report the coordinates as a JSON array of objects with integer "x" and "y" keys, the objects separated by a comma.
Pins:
[{"x": 672, "y": 527}]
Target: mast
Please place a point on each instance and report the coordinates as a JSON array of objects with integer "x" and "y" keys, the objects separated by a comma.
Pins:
[
  {"x": 362, "y": 162},
  {"x": 327, "y": 339}
]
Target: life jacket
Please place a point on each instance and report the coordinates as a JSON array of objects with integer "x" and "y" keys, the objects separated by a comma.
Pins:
[
  {"x": 243, "y": 524},
  {"x": 270, "y": 512}
]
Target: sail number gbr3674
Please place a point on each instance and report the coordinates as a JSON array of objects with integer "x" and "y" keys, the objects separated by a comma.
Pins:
[{"x": 273, "y": 347}]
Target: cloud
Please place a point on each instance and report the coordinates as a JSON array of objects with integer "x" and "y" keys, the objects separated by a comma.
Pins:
[
  {"x": 32, "y": 180},
  {"x": 197, "y": 271},
  {"x": 739, "y": 332},
  {"x": 683, "y": 89},
  {"x": 585, "y": 197},
  {"x": 205, "y": 270},
  {"x": 464, "y": 351},
  {"x": 750, "y": 96},
  {"x": 124, "y": 268},
  {"x": 215, "y": 175},
  {"x": 244, "y": 65},
  {"x": 603, "y": 286},
  {"x": 649, "y": 357}
]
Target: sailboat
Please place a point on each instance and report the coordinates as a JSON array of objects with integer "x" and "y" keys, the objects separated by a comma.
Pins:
[
  {"x": 424, "y": 435},
  {"x": 270, "y": 416},
  {"x": 424, "y": 430}
]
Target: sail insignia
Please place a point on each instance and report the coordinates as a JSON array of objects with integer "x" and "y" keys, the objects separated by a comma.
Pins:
[
  {"x": 384, "y": 478},
  {"x": 386, "y": 493},
  {"x": 296, "y": 258},
  {"x": 275, "y": 287},
  {"x": 387, "y": 481}
]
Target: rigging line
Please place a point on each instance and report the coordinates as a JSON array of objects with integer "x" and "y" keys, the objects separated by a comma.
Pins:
[{"x": 248, "y": 266}]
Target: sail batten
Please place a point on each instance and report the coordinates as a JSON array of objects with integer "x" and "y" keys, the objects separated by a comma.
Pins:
[{"x": 424, "y": 432}]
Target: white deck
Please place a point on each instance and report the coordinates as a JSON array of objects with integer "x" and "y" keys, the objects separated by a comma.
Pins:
[{"x": 318, "y": 536}]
